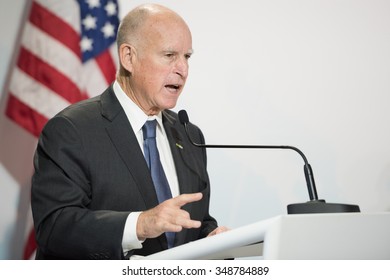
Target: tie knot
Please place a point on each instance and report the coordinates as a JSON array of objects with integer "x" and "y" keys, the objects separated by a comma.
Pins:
[{"x": 149, "y": 129}]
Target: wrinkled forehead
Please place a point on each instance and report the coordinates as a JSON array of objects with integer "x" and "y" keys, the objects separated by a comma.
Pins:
[
  {"x": 166, "y": 27},
  {"x": 166, "y": 22}
]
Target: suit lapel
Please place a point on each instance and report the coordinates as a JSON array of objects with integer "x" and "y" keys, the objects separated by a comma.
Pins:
[
  {"x": 124, "y": 140},
  {"x": 184, "y": 164},
  {"x": 128, "y": 148},
  {"x": 180, "y": 155}
]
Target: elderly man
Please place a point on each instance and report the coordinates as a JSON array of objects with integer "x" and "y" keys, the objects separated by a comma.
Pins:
[{"x": 115, "y": 175}]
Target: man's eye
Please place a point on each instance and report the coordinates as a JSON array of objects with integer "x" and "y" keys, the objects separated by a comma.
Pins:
[{"x": 169, "y": 55}]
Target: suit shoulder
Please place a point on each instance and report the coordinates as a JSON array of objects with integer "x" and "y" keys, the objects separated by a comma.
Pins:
[
  {"x": 82, "y": 108},
  {"x": 87, "y": 108},
  {"x": 80, "y": 114}
]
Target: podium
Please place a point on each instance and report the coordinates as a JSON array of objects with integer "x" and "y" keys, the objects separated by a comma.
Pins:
[{"x": 333, "y": 236}]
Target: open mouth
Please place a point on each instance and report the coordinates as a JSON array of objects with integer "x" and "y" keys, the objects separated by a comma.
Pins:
[{"x": 173, "y": 87}]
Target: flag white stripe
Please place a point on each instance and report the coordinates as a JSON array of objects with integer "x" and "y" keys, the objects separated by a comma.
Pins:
[
  {"x": 93, "y": 79},
  {"x": 114, "y": 54},
  {"x": 35, "y": 95},
  {"x": 48, "y": 49},
  {"x": 68, "y": 11}
]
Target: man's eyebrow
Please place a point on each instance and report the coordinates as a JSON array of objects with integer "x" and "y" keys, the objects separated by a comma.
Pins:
[{"x": 176, "y": 51}]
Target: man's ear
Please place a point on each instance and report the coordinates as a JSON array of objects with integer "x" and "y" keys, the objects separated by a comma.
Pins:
[{"x": 126, "y": 56}]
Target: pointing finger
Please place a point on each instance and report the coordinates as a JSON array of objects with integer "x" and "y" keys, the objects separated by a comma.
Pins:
[{"x": 184, "y": 199}]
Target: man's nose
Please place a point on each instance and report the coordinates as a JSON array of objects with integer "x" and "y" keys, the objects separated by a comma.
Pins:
[{"x": 181, "y": 67}]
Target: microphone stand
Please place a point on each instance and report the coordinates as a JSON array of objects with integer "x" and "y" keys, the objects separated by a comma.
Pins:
[{"x": 315, "y": 205}]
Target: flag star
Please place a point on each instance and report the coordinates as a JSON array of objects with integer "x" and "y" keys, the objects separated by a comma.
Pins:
[
  {"x": 93, "y": 3},
  {"x": 89, "y": 22},
  {"x": 86, "y": 44},
  {"x": 110, "y": 8},
  {"x": 108, "y": 30}
]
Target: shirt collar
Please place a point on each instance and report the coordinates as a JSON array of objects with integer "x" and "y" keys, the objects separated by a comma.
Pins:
[{"x": 135, "y": 115}]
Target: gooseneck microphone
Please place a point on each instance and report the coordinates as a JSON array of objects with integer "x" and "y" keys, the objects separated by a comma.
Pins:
[{"x": 315, "y": 205}]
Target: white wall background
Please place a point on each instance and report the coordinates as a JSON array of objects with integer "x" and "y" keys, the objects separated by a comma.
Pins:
[{"x": 308, "y": 73}]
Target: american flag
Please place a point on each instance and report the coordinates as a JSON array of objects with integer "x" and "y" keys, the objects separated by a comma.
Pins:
[{"x": 67, "y": 53}]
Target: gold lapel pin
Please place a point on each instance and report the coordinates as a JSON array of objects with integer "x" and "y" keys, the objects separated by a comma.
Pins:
[{"x": 179, "y": 146}]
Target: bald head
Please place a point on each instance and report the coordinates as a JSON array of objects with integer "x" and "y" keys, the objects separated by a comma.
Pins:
[
  {"x": 154, "y": 46},
  {"x": 142, "y": 20}
]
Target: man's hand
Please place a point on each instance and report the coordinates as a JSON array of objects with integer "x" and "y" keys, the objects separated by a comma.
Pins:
[
  {"x": 218, "y": 230},
  {"x": 167, "y": 217}
]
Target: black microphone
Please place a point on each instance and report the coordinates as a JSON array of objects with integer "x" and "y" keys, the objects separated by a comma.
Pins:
[{"x": 315, "y": 205}]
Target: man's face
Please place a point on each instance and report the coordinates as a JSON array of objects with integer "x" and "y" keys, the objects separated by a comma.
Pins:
[{"x": 160, "y": 67}]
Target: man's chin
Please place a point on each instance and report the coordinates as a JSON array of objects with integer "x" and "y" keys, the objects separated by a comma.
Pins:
[{"x": 170, "y": 104}]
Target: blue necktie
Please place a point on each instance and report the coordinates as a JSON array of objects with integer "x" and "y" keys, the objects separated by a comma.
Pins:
[{"x": 156, "y": 170}]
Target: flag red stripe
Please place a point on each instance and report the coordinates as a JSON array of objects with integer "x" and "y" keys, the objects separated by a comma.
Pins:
[
  {"x": 49, "y": 76},
  {"x": 25, "y": 116},
  {"x": 107, "y": 66},
  {"x": 30, "y": 246},
  {"x": 55, "y": 27}
]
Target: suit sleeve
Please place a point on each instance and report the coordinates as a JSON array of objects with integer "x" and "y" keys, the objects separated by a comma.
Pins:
[{"x": 61, "y": 192}]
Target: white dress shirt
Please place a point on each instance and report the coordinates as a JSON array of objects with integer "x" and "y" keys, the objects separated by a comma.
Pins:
[{"x": 137, "y": 119}]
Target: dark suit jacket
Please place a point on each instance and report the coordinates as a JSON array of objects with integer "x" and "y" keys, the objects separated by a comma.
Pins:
[{"x": 90, "y": 173}]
